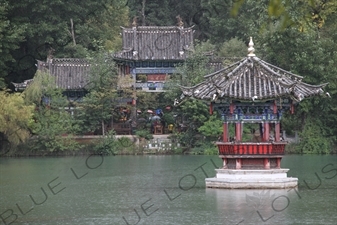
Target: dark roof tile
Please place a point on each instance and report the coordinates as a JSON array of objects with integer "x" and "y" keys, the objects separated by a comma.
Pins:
[
  {"x": 69, "y": 73},
  {"x": 253, "y": 77},
  {"x": 156, "y": 43}
]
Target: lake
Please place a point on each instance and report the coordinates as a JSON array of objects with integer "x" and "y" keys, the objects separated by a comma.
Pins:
[{"x": 158, "y": 190}]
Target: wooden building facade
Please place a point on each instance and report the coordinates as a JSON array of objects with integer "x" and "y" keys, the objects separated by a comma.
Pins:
[{"x": 150, "y": 54}]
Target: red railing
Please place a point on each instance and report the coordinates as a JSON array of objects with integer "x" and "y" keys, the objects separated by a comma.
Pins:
[{"x": 260, "y": 148}]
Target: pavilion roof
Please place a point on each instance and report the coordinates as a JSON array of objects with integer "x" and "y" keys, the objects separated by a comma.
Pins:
[
  {"x": 151, "y": 43},
  {"x": 252, "y": 79}
]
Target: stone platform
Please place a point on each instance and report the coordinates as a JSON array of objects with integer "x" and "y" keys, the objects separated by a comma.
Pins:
[{"x": 251, "y": 179}]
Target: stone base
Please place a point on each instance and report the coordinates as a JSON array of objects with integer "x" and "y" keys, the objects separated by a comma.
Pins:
[{"x": 251, "y": 179}]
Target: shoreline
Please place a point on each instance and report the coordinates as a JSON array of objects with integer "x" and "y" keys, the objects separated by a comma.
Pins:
[{"x": 159, "y": 145}]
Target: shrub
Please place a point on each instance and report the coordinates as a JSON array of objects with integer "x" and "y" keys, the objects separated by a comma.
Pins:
[
  {"x": 144, "y": 134},
  {"x": 106, "y": 145},
  {"x": 125, "y": 145},
  {"x": 313, "y": 140}
]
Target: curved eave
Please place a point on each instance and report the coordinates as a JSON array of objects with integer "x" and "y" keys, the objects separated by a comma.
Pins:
[
  {"x": 124, "y": 54},
  {"x": 194, "y": 90},
  {"x": 304, "y": 90},
  {"x": 252, "y": 79}
]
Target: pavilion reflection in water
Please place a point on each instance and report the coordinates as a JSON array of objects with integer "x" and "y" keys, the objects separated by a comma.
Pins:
[{"x": 251, "y": 206}]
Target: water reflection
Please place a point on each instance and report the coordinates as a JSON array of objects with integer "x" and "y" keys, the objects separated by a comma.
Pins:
[
  {"x": 103, "y": 192},
  {"x": 249, "y": 206}
]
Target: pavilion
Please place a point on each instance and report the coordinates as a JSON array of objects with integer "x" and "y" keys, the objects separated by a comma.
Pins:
[{"x": 252, "y": 91}]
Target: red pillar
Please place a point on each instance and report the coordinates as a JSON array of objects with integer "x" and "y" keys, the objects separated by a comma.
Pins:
[
  {"x": 225, "y": 132},
  {"x": 211, "y": 108},
  {"x": 266, "y": 132},
  {"x": 238, "y": 131},
  {"x": 277, "y": 131}
]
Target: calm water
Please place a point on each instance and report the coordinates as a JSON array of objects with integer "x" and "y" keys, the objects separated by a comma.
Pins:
[{"x": 158, "y": 190}]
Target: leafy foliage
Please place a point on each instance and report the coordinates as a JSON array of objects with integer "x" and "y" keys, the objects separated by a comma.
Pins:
[
  {"x": 212, "y": 128},
  {"x": 11, "y": 34},
  {"x": 16, "y": 118},
  {"x": 313, "y": 140},
  {"x": 38, "y": 29},
  {"x": 145, "y": 133},
  {"x": 191, "y": 113},
  {"x": 95, "y": 110},
  {"x": 233, "y": 48},
  {"x": 165, "y": 13},
  {"x": 106, "y": 145},
  {"x": 125, "y": 145},
  {"x": 43, "y": 85},
  {"x": 53, "y": 126},
  {"x": 294, "y": 35},
  {"x": 190, "y": 72}
]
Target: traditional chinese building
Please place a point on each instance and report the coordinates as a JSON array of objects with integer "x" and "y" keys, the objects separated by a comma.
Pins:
[
  {"x": 71, "y": 75},
  {"x": 150, "y": 54},
  {"x": 252, "y": 91}
]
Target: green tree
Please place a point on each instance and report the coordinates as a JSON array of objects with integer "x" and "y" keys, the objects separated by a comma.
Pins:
[
  {"x": 16, "y": 118},
  {"x": 313, "y": 138},
  {"x": 190, "y": 112},
  {"x": 59, "y": 29},
  {"x": 167, "y": 12},
  {"x": 212, "y": 128},
  {"x": 190, "y": 72},
  {"x": 225, "y": 26},
  {"x": 246, "y": 18},
  {"x": 54, "y": 128},
  {"x": 53, "y": 125},
  {"x": 97, "y": 107},
  {"x": 11, "y": 34},
  {"x": 312, "y": 58},
  {"x": 43, "y": 85}
]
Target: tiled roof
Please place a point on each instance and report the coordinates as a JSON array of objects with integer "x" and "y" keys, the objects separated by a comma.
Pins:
[
  {"x": 252, "y": 79},
  {"x": 156, "y": 43},
  {"x": 69, "y": 73}
]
